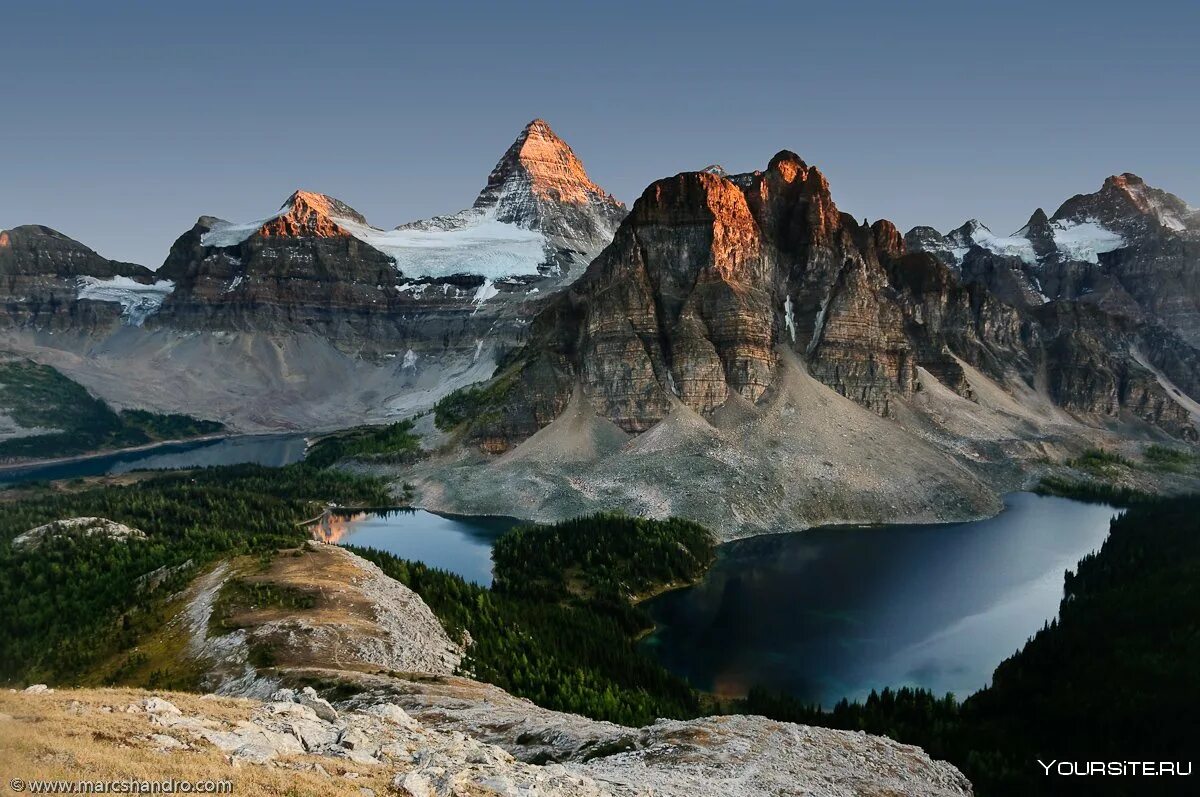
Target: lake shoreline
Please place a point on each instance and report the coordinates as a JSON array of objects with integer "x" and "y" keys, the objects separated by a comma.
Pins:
[
  {"x": 175, "y": 454},
  {"x": 109, "y": 452},
  {"x": 804, "y": 613}
]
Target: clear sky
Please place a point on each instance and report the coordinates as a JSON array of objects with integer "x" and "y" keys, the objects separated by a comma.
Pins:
[{"x": 123, "y": 122}]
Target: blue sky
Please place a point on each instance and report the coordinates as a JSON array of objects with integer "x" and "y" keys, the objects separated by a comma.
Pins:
[{"x": 123, "y": 122}]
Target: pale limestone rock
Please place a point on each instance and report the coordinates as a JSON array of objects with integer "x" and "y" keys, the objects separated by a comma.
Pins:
[
  {"x": 156, "y": 705},
  {"x": 308, "y": 697}
]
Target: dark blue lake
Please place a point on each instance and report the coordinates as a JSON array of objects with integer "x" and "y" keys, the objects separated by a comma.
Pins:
[{"x": 833, "y": 612}]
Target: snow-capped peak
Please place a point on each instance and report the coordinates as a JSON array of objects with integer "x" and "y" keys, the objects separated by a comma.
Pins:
[
  {"x": 1125, "y": 202},
  {"x": 1073, "y": 239},
  {"x": 538, "y": 212},
  {"x": 976, "y": 233},
  {"x": 538, "y": 167}
]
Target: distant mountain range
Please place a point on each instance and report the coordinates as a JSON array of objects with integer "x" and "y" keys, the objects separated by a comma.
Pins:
[
  {"x": 718, "y": 315},
  {"x": 281, "y": 309}
]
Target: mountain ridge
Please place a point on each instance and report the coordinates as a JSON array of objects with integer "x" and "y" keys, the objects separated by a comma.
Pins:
[{"x": 727, "y": 309}]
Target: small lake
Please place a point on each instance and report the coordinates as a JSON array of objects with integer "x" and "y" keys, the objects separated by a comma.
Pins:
[
  {"x": 833, "y": 612},
  {"x": 275, "y": 450},
  {"x": 460, "y": 544}
]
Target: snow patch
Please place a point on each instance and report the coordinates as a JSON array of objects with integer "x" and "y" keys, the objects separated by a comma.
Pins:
[
  {"x": 485, "y": 291},
  {"x": 789, "y": 318},
  {"x": 234, "y": 283},
  {"x": 817, "y": 325},
  {"x": 416, "y": 288},
  {"x": 138, "y": 301},
  {"x": 1165, "y": 216},
  {"x": 410, "y": 359},
  {"x": 477, "y": 244},
  {"x": 1009, "y": 246},
  {"x": 226, "y": 233},
  {"x": 1085, "y": 240}
]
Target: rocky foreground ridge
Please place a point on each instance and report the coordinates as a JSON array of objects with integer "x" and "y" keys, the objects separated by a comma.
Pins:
[{"x": 300, "y": 743}]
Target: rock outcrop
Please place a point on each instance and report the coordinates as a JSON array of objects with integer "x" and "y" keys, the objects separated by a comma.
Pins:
[
  {"x": 361, "y": 621},
  {"x": 376, "y": 746},
  {"x": 79, "y": 526}
]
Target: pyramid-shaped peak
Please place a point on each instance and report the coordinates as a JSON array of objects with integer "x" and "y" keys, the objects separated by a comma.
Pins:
[
  {"x": 309, "y": 214},
  {"x": 965, "y": 235},
  {"x": 311, "y": 203},
  {"x": 540, "y": 166}
]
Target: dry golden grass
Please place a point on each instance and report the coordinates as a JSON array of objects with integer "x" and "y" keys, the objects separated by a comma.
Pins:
[
  {"x": 66, "y": 735},
  {"x": 341, "y": 613}
]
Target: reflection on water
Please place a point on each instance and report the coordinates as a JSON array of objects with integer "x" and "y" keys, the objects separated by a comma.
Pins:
[
  {"x": 461, "y": 545},
  {"x": 834, "y": 612},
  {"x": 275, "y": 450}
]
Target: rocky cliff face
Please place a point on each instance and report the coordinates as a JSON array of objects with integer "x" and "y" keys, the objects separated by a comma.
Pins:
[
  {"x": 54, "y": 282},
  {"x": 1131, "y": 253},
  {"x": 710, "y": 277}
]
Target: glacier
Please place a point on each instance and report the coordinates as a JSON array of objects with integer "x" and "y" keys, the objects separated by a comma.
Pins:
[{"x": 138, "y": 300}]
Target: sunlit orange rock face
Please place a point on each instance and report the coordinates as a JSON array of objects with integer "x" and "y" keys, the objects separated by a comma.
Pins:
[
  {"x": 712, "y": 276},
  {"x": 540, "y": 184},
  {"x": 311, "y": 215},
  {"x": 548, "y": 164}
]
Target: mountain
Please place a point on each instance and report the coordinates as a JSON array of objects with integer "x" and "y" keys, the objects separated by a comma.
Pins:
[
  {"x": 311, "y": 314},
  {"x": 747, "y": 321},
  {"x": 1129, "y": 247},
  {"x": 710, "y": 277},
  {"x": 541, "y": 185},
  {"x": 52, "y": 281}
]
